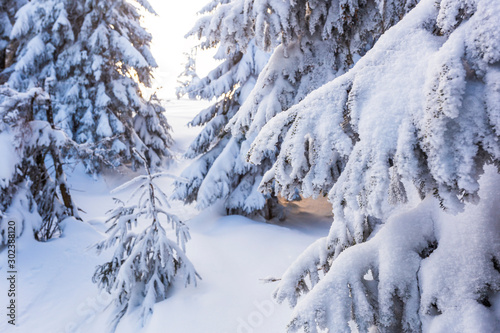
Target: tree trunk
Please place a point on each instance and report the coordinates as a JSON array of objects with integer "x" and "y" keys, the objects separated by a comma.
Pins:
[{"x": 60, "y": 178}]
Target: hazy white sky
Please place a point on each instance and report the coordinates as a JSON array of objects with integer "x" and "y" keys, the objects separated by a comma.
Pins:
[{"x": 174, "y": 20}]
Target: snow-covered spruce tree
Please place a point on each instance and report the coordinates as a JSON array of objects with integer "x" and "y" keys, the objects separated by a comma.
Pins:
[
  {"x": 313, "y": 42},
  {"x": 34, "y": 192},
  {"x": 229, "y": 85},
  {"x": 417, "y": 117},
  {"x": 144, "y": 264},
  {"x": 98, "y": 55},
  {"x": 40, "y": 33},
  {"x": 100, "y": 104}
]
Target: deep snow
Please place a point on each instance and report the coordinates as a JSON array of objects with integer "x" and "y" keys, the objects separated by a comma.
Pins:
[{"x": 231, "y": 253}]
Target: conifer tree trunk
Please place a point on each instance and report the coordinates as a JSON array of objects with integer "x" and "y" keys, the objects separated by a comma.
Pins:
[
  {"x": 58, "y": 167},
  {"x": 3, "y": 56}
]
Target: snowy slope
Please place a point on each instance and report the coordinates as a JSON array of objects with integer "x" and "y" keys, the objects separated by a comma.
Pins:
[{"x": 56, "y": 294}]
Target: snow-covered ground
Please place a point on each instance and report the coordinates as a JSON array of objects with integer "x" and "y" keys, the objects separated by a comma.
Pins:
[{"x": 231, "y": 253}]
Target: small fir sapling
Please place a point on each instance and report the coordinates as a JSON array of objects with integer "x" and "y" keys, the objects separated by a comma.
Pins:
[{"x": 145, "y": 263}]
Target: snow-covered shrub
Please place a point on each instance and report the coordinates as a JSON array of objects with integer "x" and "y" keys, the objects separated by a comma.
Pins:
[
  {"x": 417, "y": 115},
  {"x": 144, "y": 264},
  {"x": 313, "y": 42}
]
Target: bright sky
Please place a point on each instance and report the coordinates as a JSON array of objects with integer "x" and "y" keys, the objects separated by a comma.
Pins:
[{"x": 174, "y": 20}]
